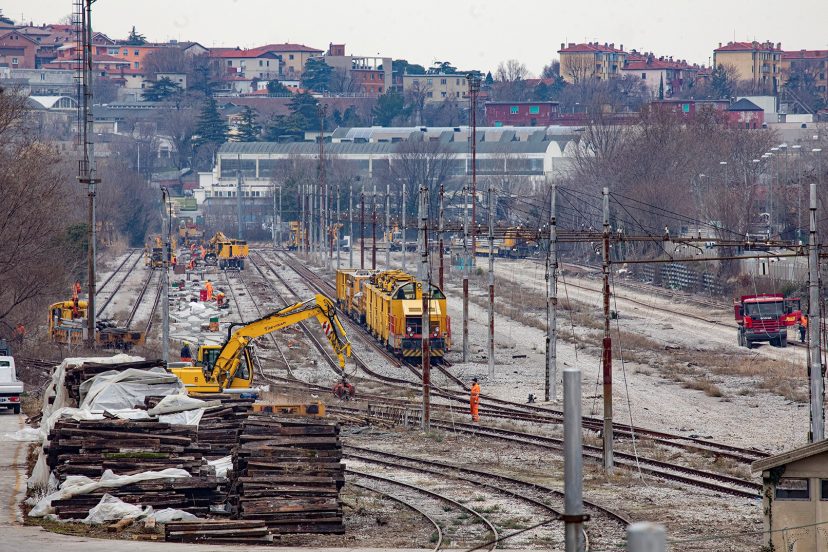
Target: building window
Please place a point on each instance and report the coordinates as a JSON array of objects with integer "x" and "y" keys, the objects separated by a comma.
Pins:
[
  {"x": 229, "y": 63},
  {"x": 442, "y": 94},
  {"x": 685, "y": 108},
  {"x": 514, "y": 110},
  {"x": 442, "y": 81},
  {"x": 290, "y": 56},
  {"x": 644, "y": 76},
  {"x": 126, "y": 52},
  {"x": 136, "y": 65},
  {"x": 823, "y": 489},
  {"x": 790, "y": 488},
  {"x": 261, "y": 64},
  {"x": 136, "y": 52},
  {"x": 112, "y": 51},
  {"x": 379, "y": 89},
  {"x": 14, "y": 61},
  {"x": 43, "y": 76},
  {"x": 534, "y": 109},
  {"x": 429, "y": 81}
]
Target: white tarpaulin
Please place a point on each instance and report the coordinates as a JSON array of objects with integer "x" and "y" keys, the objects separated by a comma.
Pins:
[
  {"x": 112, "y": 508},
  {"x": 181, "y": 409},
  {"x": 75, "y": 485},
  {"x": 222, "y": 466},
  {"x": 127, "y": 388}
]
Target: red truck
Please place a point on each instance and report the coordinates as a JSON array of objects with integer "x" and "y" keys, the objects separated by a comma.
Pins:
[{"x": 765, "y": 317}]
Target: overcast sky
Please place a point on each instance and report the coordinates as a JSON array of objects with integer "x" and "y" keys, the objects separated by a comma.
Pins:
[{"x": 471, "y": 34}]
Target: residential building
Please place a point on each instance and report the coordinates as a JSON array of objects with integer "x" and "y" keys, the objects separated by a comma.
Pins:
[
  {"x": 438, "y": 87},
  {"x": 293, "y": 56},
  {"x": 794, "y": 495},
  {"x": 17, "y": 51},
  {"x": 691, "y": 107},
  {"x": 500, "y": 114},
  {"x": 591, "y": 60},
  {"x": 660, "y": 74},
  {"x": 367, "y": 74},
  {"x": 811, "y": 62},
  {"x": 45, "y": 82},
  {"x": 757, "y": 62},
  {"x": 248, "y": 64}
]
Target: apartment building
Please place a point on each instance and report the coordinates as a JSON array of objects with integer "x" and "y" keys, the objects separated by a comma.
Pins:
[
  {"x": 371, "y": 75},
  {"x": 812, "y": 62},
  {"x": 757, "y": 62},
  {"x": 438, "y": 87},
  {"x": 248, "y": 64},
  {"x": 580, "y": 62}
]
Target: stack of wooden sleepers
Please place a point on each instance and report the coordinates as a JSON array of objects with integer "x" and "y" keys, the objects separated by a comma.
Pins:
[
  {"x": 130, "y": 447},
  {"x": 75, "y": 375},
  {"x": 288, "y": 473}
]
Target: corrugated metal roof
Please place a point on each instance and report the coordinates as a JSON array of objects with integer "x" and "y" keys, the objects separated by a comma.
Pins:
[{"x": 374, "y": 148}]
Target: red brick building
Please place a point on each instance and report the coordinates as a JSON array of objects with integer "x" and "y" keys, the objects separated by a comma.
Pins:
[
  {"x": 17, "y": 50},
  {"x": 745, "y": 114},
  {"x": 521, "y": 113}
]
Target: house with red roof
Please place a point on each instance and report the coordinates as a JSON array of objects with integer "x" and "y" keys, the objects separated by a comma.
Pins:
[
  {"x": 591, "y": 60},
  {"x": 17, "y": 51},
  {"x": 657, "y": 72},
  {"x": 757, "y": 62},
  {"x": 246, "y": 65}
]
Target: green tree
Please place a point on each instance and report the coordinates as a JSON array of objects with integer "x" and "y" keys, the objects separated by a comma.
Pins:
[
  {"x": 305, "y": 108},
  {"x": 389, "y": 106},
  {"x": 284, "y": 128},
  {"x": 489, "y": 80},
  {"x": 248, "y": 129},
  {"x": 276, "y": 88},
  {"x": 211, "y": 128},
  {"x": 661, "y": 87},
  {"x": 135, "y": 38},
  {"x": 722, "y": 82},
  {"x": 161, "y": 90},
  {"x": 317, "y": 75}
]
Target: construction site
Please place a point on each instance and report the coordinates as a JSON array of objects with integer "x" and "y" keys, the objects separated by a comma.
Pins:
[{"x": 459, "y": 337}]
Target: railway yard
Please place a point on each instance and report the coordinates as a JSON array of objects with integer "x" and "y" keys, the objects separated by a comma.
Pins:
[{"x": 683, "y": 450}]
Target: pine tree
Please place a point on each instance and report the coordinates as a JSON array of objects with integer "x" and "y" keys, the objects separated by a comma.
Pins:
[
  {"x": 277, "y": 88},
  {"x": 135, "y": 38},
  {"x": 661, "y": 88},
  {"x": 248, "y": 129},
  {"x": 211, "y": 127},
  {"x": 317, "y": 75},
  {"x": 389, "y": 106},
  {"x": 162, "y": 89}
]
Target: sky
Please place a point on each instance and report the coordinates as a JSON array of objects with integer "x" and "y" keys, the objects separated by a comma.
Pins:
[{"x": 470, "y": 34}]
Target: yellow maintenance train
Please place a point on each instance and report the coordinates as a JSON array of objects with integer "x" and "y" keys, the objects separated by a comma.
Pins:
[{"x": 390, "y": 305}]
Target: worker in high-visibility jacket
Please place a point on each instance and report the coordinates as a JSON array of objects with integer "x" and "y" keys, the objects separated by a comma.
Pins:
[
  {"x": 209, "y": 287},
  {"x": 803, "y": 327},
  {"x": 474, "y": 400}
]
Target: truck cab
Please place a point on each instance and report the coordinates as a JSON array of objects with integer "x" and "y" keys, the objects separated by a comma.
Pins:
[
  {"x": 10, "y": 387},
  {"x": 762, "y": 318}
]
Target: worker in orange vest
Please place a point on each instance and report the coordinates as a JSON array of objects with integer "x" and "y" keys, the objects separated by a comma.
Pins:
[
  {"x": 19, "y": 333},
  {"x": 203, "y": 252},
  {"x": 209, "y": 287},
  {"x": 474, "y": 400},
  {"x": 803, "y": 327}
]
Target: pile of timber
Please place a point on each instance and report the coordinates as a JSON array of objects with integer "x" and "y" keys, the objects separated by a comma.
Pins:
[
  {"x": 218, "y": 531},
  {"x": 129, "y": 447},
  {"x": 219, "y": 428},
  {"x": 288, "y": 473},
  {"x": 75, "y": 375}
]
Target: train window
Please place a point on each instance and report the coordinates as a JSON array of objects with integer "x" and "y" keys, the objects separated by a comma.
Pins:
[
  {"x": 436, "y": 293},
  {"x": 790, "y": 488},
  {"x": 408, "y": 291},
  {"x": 823, "y": 489}
]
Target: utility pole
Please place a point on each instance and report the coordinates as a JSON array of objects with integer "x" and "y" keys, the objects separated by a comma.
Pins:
[
  {"x": 300, "y": 189},
  {"x": 388, "y": 233},
  {"x": 441, "y": 217},
  {"x": 474, "y": 89},
  {"x": 336, "y": 225},
  {"x": 165, "y": 277},
  {"x": 573, "y": 461},
  {"x": 374, "y": 230},
  {"x": 403, "y": 227},
  {"x": 273, "y": 225},
  {"x": 362, "y": 230},
  {"x": 311, "y": 223},
  {"x": 323, "y": 210},
  {"x": 425, "y": 331},
  {"x": 814, "y": 322},
  {"x": 551, "y": 387},
  {"x": 281, "y": 239},
  {"x": 351, "y": 224},
  {"x": 466, "y": 271},
  {"x": 239, "y": 200},
  {"x": 87, "y": 169},
  {"x": 607, "y": 345},
  {"x": 491, "y": 279}
]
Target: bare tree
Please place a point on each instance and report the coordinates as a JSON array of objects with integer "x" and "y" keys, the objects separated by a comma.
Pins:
[
  {"x": 416, "y": 162},
  {"x": 416, "y": 97},
  {"x": 552, "y": 70},
  {"x": 577, "y": 68}
]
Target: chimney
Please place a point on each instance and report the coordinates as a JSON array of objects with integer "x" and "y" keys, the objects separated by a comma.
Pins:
[
  {"x": 612, "y": 45},
  {"x": 720, "y": 44},
  {"x": 562, "y": 45},
  {"x": 621, "y": 47}
]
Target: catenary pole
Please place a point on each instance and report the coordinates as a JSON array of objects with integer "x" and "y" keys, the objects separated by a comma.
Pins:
[
  {"x": 388, "y": 232},
  {"x": 607, "y": 343},
  {"x": 573, "y": 460},
  {"x": 336, "y": 226},
  {"x": 466, "y": 271},
  {"x": 402, "y": 192},
  {"x": 440, "y": 244},
  {"x": 351, "y": 239},
  {"x": 491, "y": 198},
  {"x": 165, "y": 278},
  {"x": 362, "y": 228},
  {"x": 551, "y": 387},
  {"x": 425, "y": 330},
  {"x": 814, "y": 322},
  {"x": 374, "y": 229}
]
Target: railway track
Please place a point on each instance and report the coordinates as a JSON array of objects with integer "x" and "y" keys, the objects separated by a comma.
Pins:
[
  {"x": 140, "y": 298},
  {"x": 108, "y": 298},
  {"x": 527, "y": 412},
  {"x": 536, "y": 495}
]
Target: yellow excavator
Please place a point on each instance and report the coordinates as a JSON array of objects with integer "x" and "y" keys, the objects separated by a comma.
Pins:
[{"x": 230, "y": 366}]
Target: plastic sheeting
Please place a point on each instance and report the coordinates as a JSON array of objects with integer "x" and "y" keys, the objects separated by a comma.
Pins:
[
  {"x": 181, "y": 409},
  {"x": 127, "y": 388},
  {"x": 111, "y": 509},
  {"x": 222, "y": 466},
  {"x": 75, "y": 485}
]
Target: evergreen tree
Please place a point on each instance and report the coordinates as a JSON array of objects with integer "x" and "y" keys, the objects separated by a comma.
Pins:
[
  {"x": 248, "y": 129},
  {"x": 211, "y": 127},
  {"x": 721, "y": 82},
  {"x": 389, "y": 106},
  {"x": 489, "y": 79},
  {"x": 305, "y": 109},
  {"x": 661, "y": 87},
  {"x": 284, "y": 128},
  {"x": 317, "y": 75},
  {"x": 162, "y": 89},
  {"x": 135, "y": 38},
  {"x": 275, "y": 87}
]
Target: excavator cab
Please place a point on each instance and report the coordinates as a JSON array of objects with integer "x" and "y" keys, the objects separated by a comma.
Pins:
[{"x": 198, "y": 378}]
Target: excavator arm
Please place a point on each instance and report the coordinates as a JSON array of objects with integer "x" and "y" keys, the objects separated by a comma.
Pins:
[{"x": 230, "y": 357}]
